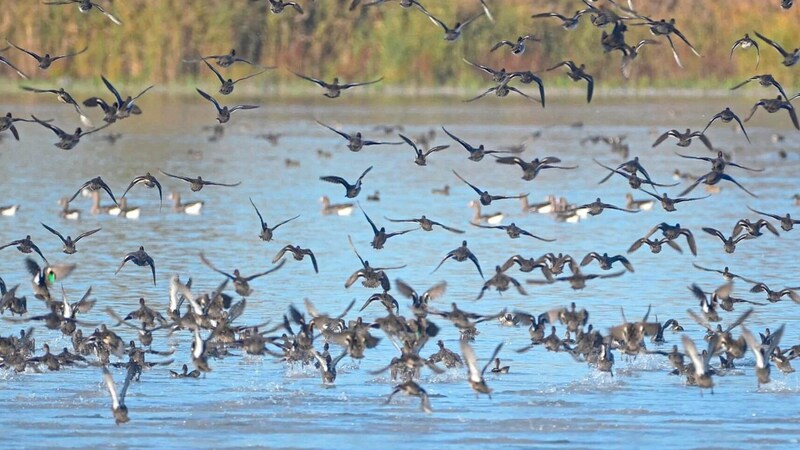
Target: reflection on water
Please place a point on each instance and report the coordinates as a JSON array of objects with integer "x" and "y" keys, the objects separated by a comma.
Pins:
[{"x": 546, "y": 399}]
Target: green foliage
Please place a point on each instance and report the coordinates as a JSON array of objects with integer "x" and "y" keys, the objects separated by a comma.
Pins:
[{"x": 402, "y": 45}]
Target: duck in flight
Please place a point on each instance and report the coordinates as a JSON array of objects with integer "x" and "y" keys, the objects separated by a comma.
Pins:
[
  {"x": 334, "y": 89},
  {"x": 452, "y": 34},
  {"x": 744, "y": 43},
  {"x": 69, "y": 243},
  {"x": 577, "y": 73},
  {"x": 486, "y": 199},
  {"x": 789, "y": 58},
  {"x": 266, "y": 231},
  {"x": 84, "y": 6},
  {"x": 351, "y": 190},
  {"x": 355, "y": 142},
  {"x": 46, "y": 60},
  {"x": 227, "y": 84},
  {"x": 198, "y": 183},
  {"x": 224, "y": 112},
  {"x": 475, "y": 153}
]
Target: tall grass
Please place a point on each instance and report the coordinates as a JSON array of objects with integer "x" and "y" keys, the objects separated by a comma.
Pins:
[{"x": 400, "y": 44}]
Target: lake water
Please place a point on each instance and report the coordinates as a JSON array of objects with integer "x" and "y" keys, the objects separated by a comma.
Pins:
[{"x": 547, "y": 399}]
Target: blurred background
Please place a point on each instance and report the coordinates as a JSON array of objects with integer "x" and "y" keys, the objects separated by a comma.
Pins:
[{"x": 400, "y": 44}]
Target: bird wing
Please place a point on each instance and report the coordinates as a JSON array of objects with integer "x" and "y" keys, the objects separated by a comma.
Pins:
[
  {"x": 54, "y": 232},
  {"x": 210, "y": 98},
  {"x": 340, "y": 133},
  {"x": 86, "y": 233}
]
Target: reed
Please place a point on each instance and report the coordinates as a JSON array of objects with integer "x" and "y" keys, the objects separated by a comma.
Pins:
[{"x": 400, "y": 44}]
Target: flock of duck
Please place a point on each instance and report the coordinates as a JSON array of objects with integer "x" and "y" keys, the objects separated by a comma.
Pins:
[{"x": 309, "y": 336}]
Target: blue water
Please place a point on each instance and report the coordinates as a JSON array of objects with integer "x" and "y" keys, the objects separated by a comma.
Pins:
[{"x": 546, "y": 400}]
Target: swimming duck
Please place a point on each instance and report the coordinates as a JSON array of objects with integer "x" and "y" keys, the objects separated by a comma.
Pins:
[
  {"x": 441, "y": 191},
  {"x": 45, "y": 60},
  {"x": 184, "y": 373},
  {"x": 577, "y": 73},
  {"x": 631, "y": 203},
  {"x": 123, "y": 210},
  {"x": 191, "y": 208},
  {"x": 461, "y": 254},
  {"x": 8, "y": 211},
  {"x": 69, "y": 243},
  {"x": 84, "y": 6},
  {"x": 351, "y": 190},
  {"x": 342, "y": 209},
  {"x": 141, "y": 259},
  {"x": 227, "y": 85},
  {"x": 224, "y": 112},
  {"x": 498, "y": 369},
  {"x": 334, "y": 89}
]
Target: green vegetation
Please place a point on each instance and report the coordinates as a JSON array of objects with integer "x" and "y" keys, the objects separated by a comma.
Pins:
[{"x": 400, "y": 44}]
